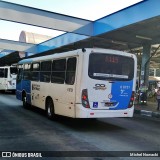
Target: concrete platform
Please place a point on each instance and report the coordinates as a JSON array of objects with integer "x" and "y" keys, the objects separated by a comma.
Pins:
[{"x": 149, "y": 109}]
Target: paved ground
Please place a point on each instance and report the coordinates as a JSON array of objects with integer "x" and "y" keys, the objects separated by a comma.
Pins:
[{"x": 29, "y": 130}]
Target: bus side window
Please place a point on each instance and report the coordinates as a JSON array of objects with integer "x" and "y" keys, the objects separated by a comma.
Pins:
[
  {"x": 45, "y": 74},
  {"x": 71, "y": 70},
  {"x": 58, "y": 71}
]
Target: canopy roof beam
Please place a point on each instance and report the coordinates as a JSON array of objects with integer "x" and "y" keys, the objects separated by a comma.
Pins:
[
  {"x": 17, "y": 46},
  {"x": 41, "y": 18}
]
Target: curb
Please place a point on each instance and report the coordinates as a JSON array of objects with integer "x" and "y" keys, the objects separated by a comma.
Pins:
[{"x": 147, "y": 113}]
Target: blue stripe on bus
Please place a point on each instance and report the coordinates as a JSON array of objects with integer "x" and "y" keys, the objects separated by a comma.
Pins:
[
  {"x": 24, "y": 85},
  {"x": 27, "y": 88},
  {"x": 121, "y": 93}
]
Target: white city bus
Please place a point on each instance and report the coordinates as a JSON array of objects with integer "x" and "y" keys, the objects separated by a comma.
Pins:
[
  {"x": 8, "y": 76},
  {"x": 84, "y": 83}
]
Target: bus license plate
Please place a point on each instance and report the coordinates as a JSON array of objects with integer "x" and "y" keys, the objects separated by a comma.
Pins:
[{"x": 108, "y": 104}]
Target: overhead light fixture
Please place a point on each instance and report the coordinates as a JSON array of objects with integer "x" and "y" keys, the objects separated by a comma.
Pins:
[
  {"x": 142, "y": 37},
  {"x": 119, "y": 42}
]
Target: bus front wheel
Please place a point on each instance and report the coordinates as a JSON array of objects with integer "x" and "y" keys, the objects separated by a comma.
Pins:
[{"x": 50, "y": 109}]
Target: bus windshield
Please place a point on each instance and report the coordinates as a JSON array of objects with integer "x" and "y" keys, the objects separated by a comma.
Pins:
[
  {"x": 13, "y": 70},
  {"x": 110, "y": 67}
]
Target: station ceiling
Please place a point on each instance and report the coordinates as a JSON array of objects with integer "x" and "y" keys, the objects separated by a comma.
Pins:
[{"x": 130, "y": 38}]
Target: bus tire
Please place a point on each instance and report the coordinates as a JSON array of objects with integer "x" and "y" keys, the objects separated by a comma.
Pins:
[{"x": 50, "y": 109}]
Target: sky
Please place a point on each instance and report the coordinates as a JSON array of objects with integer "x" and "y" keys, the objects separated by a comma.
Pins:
[{"x": 86, "y": 9}]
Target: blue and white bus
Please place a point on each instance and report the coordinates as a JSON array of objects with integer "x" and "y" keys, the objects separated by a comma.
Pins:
[{"x": 84, "y": 83}]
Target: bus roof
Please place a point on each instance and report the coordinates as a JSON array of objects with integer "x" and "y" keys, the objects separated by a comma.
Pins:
[{"x": 71, "y": 53}]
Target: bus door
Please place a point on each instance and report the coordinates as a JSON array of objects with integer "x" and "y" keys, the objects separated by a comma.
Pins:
[
  {"x": 70, "y": 82},
  {"x": 64, "y": 73},
  {"x": 36, "y": 100}
]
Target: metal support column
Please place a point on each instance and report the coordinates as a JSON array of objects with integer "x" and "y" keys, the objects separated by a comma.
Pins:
[{"x": 145, "y": 64}]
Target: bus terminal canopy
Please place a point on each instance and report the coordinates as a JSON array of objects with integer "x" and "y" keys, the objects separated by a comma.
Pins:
[{"x": 127, "y": 29}]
